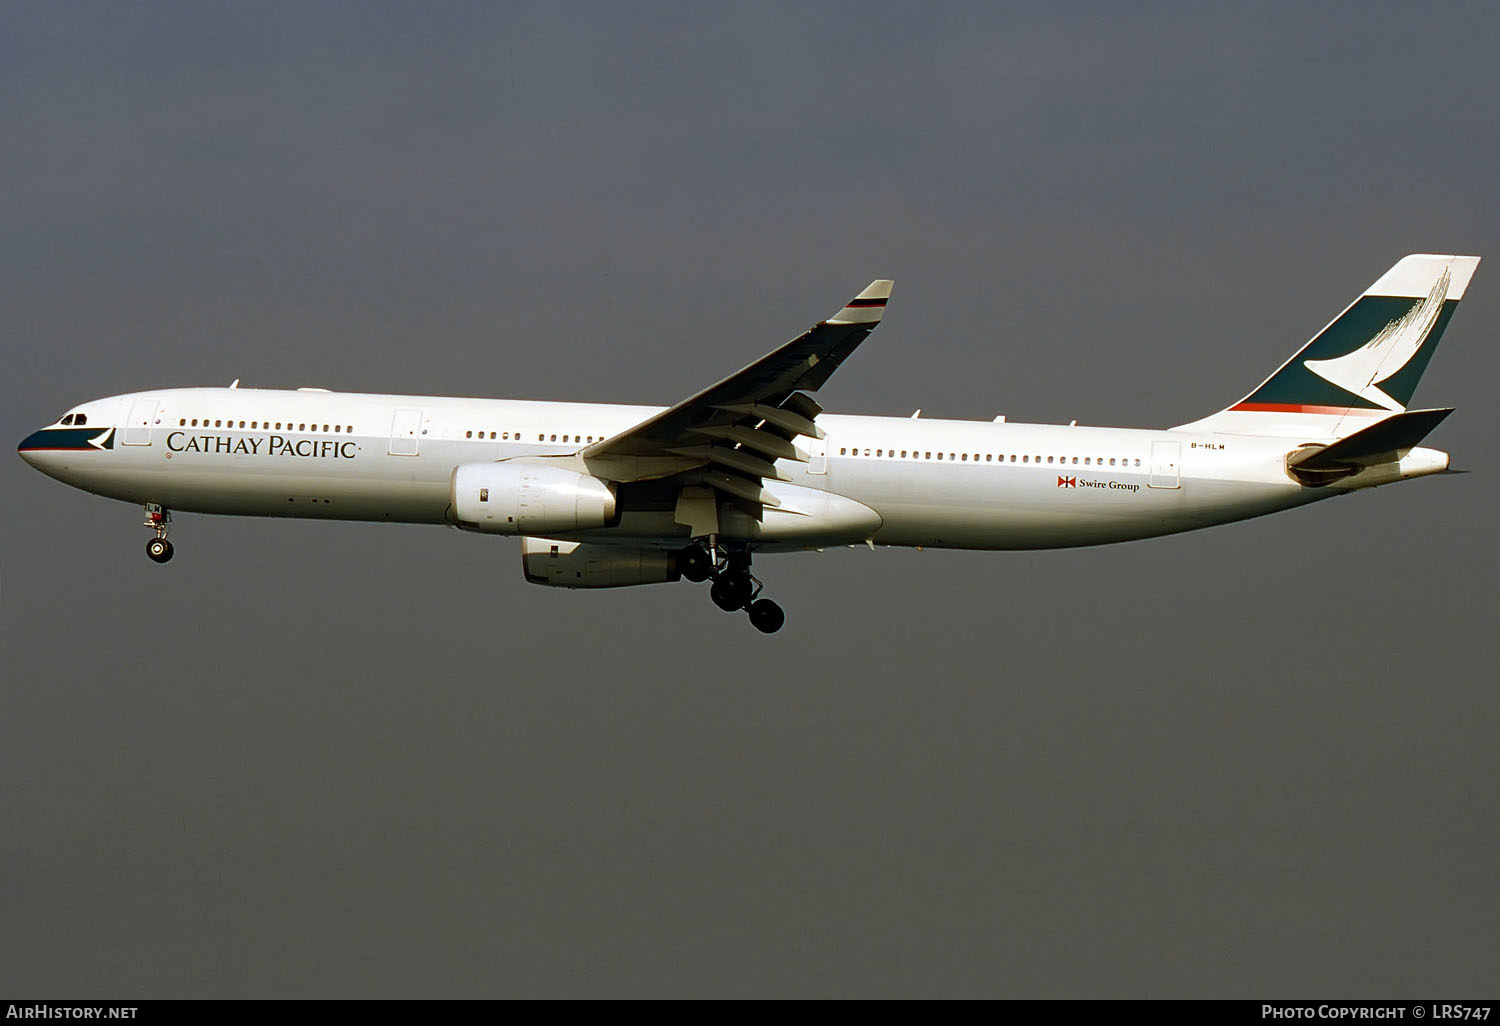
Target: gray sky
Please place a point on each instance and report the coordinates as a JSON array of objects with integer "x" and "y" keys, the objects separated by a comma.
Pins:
[{"x": 364, "y": 760}]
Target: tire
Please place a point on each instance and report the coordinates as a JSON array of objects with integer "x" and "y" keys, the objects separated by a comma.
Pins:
[
  {"x": 159, "y": 550},
  {"x": 766, "y": 616},
  {"x": 725, "y": 597},
  {"x": 738, "y": 584},
  {"x": 695, "y": 564}
]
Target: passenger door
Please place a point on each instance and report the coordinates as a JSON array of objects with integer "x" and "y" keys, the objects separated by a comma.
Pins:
[
  {"x": 138, "y": 425},
  {"x": 406, "y": 428},
  {"x": 817, "y": 453},
  {"x": 1166, "y": 458}
]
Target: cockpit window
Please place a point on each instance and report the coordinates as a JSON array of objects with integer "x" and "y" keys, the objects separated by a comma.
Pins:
[
  {"x": 66, "y": 420},
  {"x": 79, "y": 420}
]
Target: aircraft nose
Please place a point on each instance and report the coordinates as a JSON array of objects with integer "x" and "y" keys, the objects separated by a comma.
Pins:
[
  {"x": 39, "y": 449},
  {"x": 30, "y": 448}
]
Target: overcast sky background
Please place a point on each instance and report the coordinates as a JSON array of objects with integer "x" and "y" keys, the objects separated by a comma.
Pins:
[{"x": 311, "y": 759}]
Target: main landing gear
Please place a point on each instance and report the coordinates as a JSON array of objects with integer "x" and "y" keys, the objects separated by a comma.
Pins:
[
  {"x": 734, "y": 587},
  {"x": 158, "y": 549}
]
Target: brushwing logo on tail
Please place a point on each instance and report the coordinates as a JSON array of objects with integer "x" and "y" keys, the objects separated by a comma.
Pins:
[{"x": 1392, "y": 348}]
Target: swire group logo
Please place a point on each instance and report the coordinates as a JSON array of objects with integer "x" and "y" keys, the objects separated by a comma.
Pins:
[{"x": 1067, "y": 482}]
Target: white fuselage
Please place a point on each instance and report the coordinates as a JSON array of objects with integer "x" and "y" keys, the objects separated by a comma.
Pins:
[{"x": 941, "y": 483}]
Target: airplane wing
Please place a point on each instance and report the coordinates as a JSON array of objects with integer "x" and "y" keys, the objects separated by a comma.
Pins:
[{"x": 734, "y": 431}]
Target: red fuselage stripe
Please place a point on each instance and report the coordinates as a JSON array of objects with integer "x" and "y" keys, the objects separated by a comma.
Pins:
[{"x": 1333, "y": 411}]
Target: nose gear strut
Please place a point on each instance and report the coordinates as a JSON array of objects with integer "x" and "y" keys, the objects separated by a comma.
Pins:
[{"x": 158, "y": 549}]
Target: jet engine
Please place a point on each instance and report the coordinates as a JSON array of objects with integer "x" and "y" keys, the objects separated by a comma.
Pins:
[
  {"x": 528, "y": 498},
  {"x": 568, "y": 564}
]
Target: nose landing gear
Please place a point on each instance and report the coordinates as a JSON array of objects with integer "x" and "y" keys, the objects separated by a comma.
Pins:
[
  {"x": 158, "y": 549},
  {"x": 734, "y": 588}
]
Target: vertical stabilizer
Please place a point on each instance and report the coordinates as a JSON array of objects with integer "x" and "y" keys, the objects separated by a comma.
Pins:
[{"x": 1365, "y": 365}]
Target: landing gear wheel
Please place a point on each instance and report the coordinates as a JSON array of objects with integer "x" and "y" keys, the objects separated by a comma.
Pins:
[
  {"x": 726, "y": 597},
  {"x": 696, "y": 566},
  {"x": 766, "y": 616},
  {"x": 732, "y": 590},
  {"x": 159, "y": 550}
]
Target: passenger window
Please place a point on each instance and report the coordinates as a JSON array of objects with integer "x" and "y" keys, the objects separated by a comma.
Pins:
[
  {"x": 903, "y": 454},
  {"x": 1049, "y": 459},
  {"x": 966, "y": 457},
  {"x": 468, "y": 434},
  {"x": 989, "y": 457},
  {"x": 1025, "y": 459},
  {"x": 554, "y": 438},
  {"x": 301, "y": 427},
  {"x": 928, "y": 456},
  {"x": 940, "y": 455},
  {"x": 1085, "y": 460},
  {"x": 182, "y": 422},
  {"x": 278, "y": 425},
  {"x": 336, "y": 428},
  {"x": 879, "y": 452}
]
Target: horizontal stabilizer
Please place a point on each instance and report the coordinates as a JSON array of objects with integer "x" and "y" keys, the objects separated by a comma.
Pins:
[{"x": 1378, "y": 443}]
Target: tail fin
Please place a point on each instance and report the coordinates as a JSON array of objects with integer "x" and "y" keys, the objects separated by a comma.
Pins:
[{"x": 1365, "y": 365}]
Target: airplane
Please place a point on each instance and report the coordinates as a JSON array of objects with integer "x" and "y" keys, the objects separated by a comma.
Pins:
[{"x": 606, "y": 496}]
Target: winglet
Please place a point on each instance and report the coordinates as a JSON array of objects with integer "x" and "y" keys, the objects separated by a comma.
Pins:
[{"x": 867, "y": 307}]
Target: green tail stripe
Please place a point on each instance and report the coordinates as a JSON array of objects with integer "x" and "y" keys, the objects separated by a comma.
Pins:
[{"x": 1295, "y": 385}]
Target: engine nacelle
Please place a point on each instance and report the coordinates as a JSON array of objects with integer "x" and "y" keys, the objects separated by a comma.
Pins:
[
  {"x": 528, "y": 498},
  {"x": 569, "y": 564}
]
